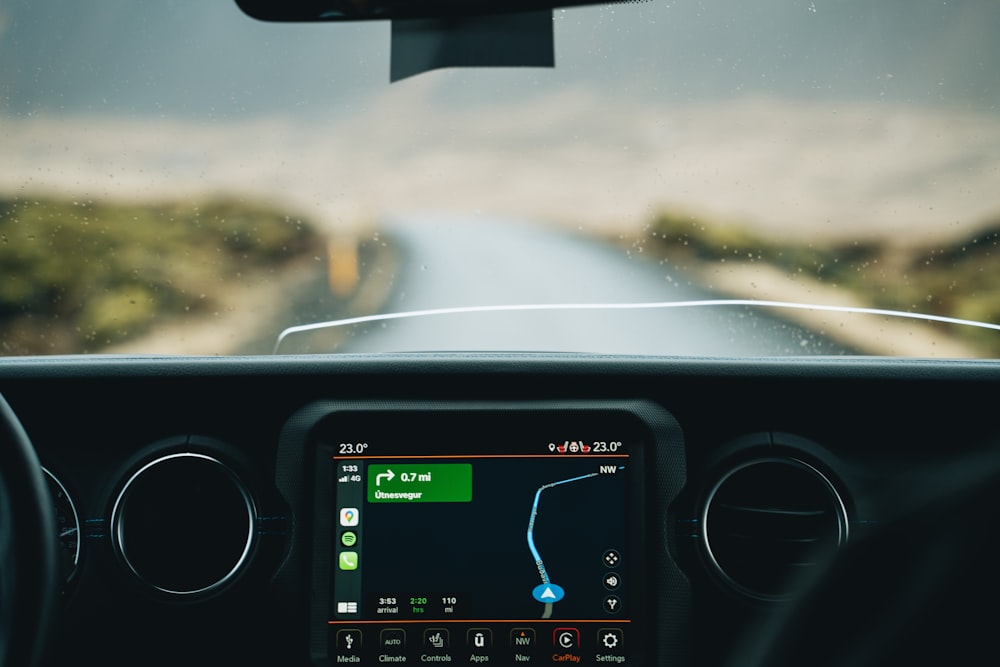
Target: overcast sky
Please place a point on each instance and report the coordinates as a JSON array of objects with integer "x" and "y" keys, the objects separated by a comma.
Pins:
[
  {"x": 202, "y": 58},
  {"x": 833, "y": 116}
]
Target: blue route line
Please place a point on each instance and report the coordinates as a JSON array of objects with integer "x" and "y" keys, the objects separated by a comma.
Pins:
[{"x": 531, "y": 522}]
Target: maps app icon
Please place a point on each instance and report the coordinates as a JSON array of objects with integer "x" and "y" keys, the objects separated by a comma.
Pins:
[{"x": 349, "y": 516}]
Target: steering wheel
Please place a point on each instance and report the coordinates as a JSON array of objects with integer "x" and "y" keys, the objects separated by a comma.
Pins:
[{"x": 28, "y": 548}]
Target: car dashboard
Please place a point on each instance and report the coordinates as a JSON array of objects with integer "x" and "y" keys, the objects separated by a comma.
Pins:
[{"x": 471, "y": 508}]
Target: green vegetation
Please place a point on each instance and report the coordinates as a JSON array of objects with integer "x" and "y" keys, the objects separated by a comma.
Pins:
[
  {"x": 76, "y": 276},
  {"x": 961, "y": 280}
]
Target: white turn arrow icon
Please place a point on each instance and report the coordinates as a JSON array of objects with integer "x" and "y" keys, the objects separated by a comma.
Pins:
[{"x": 388, "y": 474}]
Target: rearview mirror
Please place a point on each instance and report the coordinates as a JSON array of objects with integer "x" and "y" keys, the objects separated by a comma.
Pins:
[{"x": 361, "y": 10}]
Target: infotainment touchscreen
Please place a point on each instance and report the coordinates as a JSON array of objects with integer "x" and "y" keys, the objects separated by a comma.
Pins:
[{"x": 485, "y": 538}]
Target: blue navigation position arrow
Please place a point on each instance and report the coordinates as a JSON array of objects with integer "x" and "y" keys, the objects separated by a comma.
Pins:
[{"x": 548, "y": 592}]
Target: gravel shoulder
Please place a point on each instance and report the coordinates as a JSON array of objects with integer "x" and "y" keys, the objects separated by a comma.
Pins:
[
  {"x": 252, "y": 314},
  {"x": 870, "y": 334}
]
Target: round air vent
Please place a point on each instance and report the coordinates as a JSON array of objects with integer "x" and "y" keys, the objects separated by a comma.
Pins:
[
  {"x": 769, "y": 520},
  {"x": 184, "y": 524}
]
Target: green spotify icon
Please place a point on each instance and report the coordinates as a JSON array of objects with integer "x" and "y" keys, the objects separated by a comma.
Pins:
[{"x": 349, "y": 538}]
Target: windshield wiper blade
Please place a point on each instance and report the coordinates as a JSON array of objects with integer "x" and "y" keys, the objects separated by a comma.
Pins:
[{"x": 654, "y": 305}]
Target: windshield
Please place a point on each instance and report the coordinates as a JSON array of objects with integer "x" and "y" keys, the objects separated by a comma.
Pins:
[{"x": 178, "y": 178}]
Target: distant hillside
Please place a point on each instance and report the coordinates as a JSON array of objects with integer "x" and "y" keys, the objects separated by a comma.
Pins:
[
  {"x": 80, "y": 275},
  {"x": 955, "y": 280}
]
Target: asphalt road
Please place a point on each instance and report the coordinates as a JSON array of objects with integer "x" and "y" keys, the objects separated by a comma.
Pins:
[{"x": 454, "y": 262}]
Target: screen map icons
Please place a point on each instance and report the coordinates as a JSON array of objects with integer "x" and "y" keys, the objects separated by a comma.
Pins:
[
  {"x": 612, "y": 581},
  {"x": 349, "y": 516}
]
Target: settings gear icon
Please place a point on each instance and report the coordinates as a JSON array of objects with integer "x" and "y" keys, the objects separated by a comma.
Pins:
[{"x": 610, "y": 640}]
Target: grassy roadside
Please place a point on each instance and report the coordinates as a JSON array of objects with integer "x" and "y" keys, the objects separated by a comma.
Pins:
[
  {"x": 80, "y": 276},
  {"x": 960, "y": 279}
]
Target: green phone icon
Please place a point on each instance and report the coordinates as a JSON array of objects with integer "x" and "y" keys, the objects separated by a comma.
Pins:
[{"x": 348, "y": 560}]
